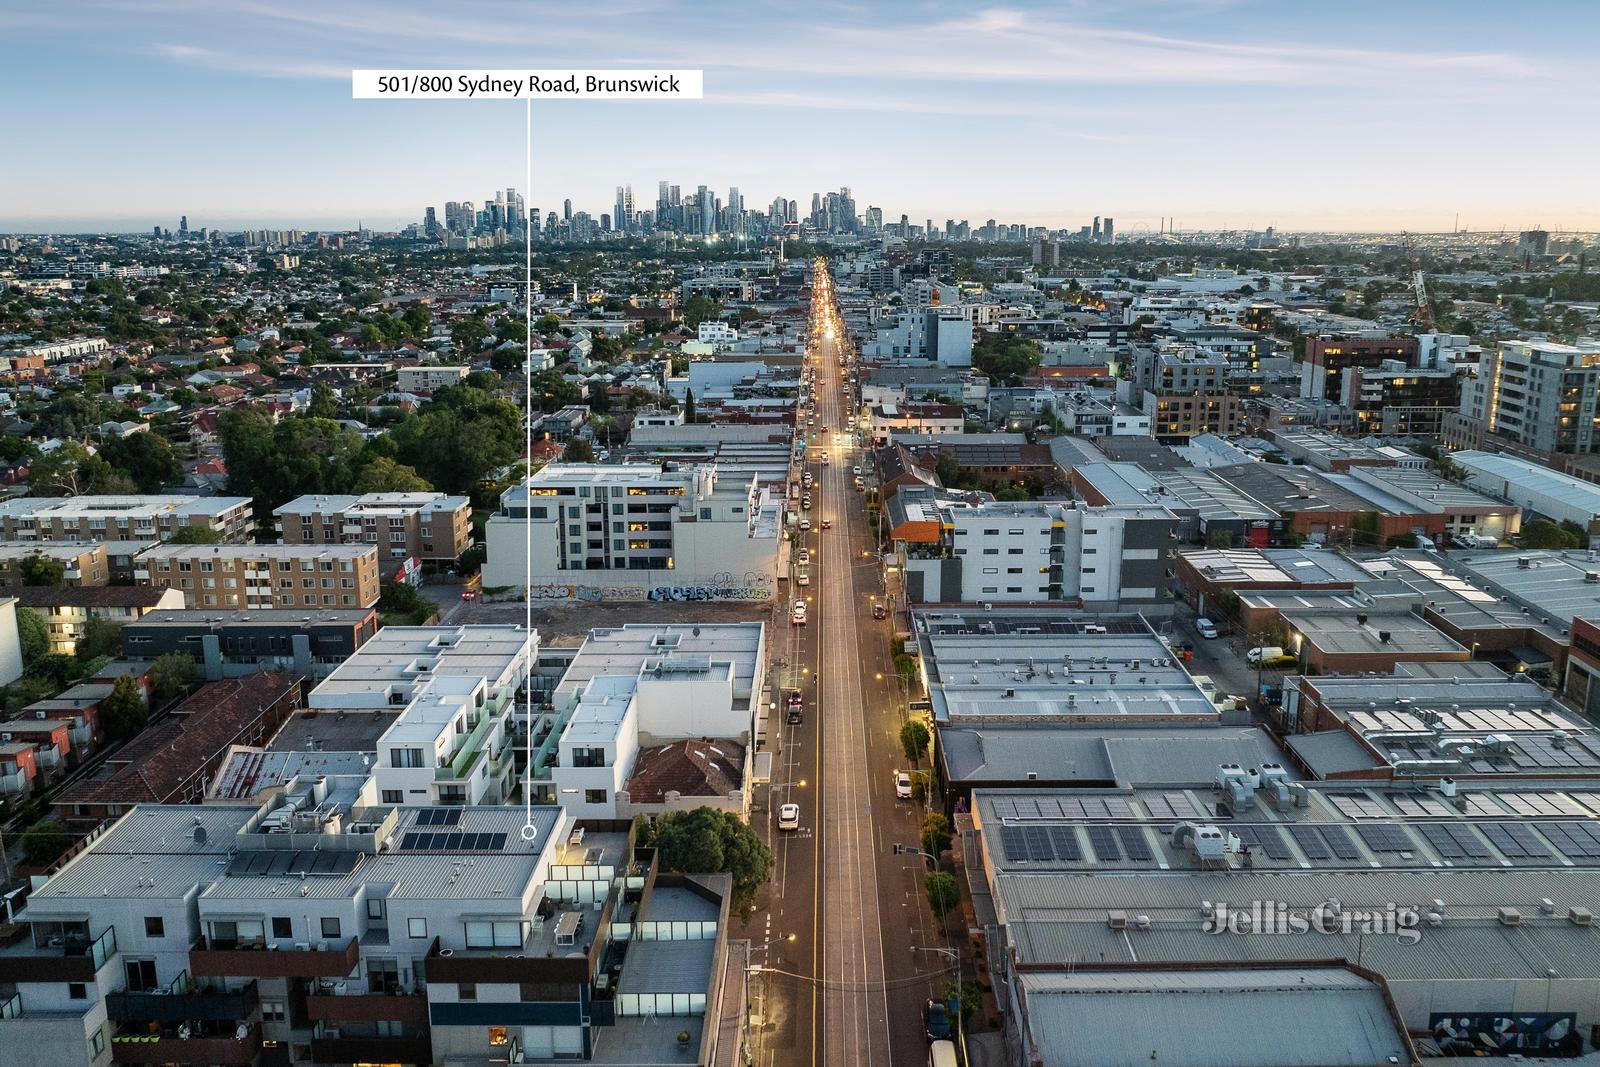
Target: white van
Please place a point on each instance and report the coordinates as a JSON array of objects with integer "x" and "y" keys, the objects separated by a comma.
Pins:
[
  {"x": 942, "y": 1054},
  {"x": 1205, "y": 628}
]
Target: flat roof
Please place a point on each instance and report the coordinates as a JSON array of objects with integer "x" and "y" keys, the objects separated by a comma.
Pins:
[
  {"x": 1465, "y": 603},
  {"x": 1245, "y": 566},
  {"x": 1127, "y": 756},
  {"x": 1531, "y": 478},
  {"x": 1001, "y": 666},
  {"x": 1251, "y": 1017},
  {"x": 1551, "y": 584},
  {"x": 372, "y": 503},
  {"x": 277, "y": 552},
  {"x": 107, "y": 506},
  {"x": 1291, "y": 489},
  {"x": 409, "y": 654},
  {"x": 1362, "y": 634},
  {"x": 624, "y": 651},
  {"x": 186, "y": 618}
]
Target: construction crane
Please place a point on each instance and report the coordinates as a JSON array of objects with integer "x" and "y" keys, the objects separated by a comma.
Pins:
[{"x": 1423, "y": 316}]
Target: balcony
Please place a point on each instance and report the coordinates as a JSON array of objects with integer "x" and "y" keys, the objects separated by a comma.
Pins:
[
  {"x": 57, "y": 953},
  {"x": 362, "y": 1005},
  {"x": 324, "y": 959},
  {"x": 416, "y": 1050},
  {"x": 14, "y": 783},
  {"x": 225, "y": 1047},
  {"x": 184, "y": 1001}
]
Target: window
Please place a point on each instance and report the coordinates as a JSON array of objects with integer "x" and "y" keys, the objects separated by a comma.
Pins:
[
  {"x": 991, "y": 570},
  {"x": 393, "y": 796},
  {"x": 281, "y": 927},
  {"x": 97, "y": 1043},
  {"x": 377, "y": 908},
  {"x": 77, "y": 991},
  {"x": 405, "y": 757},
  {"x": 330, "y": 926},
  {"x": 274, "y": 1011},
  {"x": 154, "y": 926},
  {"x": 466, "y": 990},
  {"x": 594, "y": 796},
  {"x": 497, "y": 1035},
  {"x": 417, "y": 927},
  {"x": 484, "y": 934}
]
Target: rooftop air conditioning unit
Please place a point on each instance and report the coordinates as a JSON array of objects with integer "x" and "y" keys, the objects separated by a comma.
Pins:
[{"x": 1510, "y": 917}]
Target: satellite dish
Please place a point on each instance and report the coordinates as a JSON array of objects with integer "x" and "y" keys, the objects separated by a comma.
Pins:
[{"x": 200, "y": 835}]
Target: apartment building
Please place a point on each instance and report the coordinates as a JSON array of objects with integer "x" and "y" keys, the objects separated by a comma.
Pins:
[
  {"x": 1328, "y": 356},
  {"x": 914, "y": 418},
  {"x": 632, "y": 698},
  {"x": 265, "y": 576},
  {"x": 460, "y": 692},
  {"x": 938, "y": 335},
  {"x": 226, "y": 644},
  {"x": 1535, "y": 396},
  {"x": 1396, "y": 400},
  {"x": 1184, "y": 394},
  {"x": 312, "y": 929},
  {"x": 82, "y": 562},
  {"x": 123, "y": 518},
  {"x": 401, "y": 525},
  {"x": 1109, "y": 558},
  {"x": 67, "y": 609},
  {"x": 634, "y": 525},
  {"x": 427, "y": 379}
]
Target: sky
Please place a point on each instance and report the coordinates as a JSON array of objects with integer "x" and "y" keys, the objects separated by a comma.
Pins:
[{"x": 1299, "y": 114}]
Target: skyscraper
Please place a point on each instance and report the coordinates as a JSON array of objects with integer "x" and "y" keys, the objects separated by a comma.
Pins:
[
  {"x": 430, "y": 223},
  {"x": 183, "y": 226},
  {"x": 1107, "y": 233},
  {"x": 566, "y": 210}
]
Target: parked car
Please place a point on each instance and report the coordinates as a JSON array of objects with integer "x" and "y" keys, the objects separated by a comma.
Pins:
[
  {"x": 795, "y": 711},
  {"x": 936, "y": 1021},
  {"x": 805, "y": 524},
  {"x": 797, "y": 614},
  {"x": 789, "y": 817},
  {"x": 879, "y": 611},
  {"x": 902, "y": 785},
  {"x": 1206, "y": 629}
]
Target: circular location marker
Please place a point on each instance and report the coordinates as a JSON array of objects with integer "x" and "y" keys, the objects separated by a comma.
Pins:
[{"x": 529, "y": 832}]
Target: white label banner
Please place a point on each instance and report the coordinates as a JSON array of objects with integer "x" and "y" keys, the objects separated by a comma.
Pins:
[{"x": 527, "y": 84}]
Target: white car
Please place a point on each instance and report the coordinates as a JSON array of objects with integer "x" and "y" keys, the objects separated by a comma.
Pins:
[
  {"x": 789, "y": 817},
  {"x": 805, "y": 524},
  {"x": 902, "y": 785},
  {"x": 797, "y": 614}
]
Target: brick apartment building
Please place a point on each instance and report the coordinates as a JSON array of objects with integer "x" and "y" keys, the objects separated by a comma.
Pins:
[
  {"x": 399, "y": 525},
  {"x": 265, "y": 576}
]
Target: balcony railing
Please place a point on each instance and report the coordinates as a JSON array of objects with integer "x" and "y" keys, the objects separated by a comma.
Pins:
[
  {"x": 416, "y": 1049},
  {"x": 362, "y": 1005},
  {"x": 69, "y": 959},
  {"x": 229, "y": 1050},
  {"x": 324, "y": 959},
  {"x": 184, "y": 1001}
]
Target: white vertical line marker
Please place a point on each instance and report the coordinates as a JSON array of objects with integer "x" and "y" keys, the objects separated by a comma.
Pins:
[{"x": 527, "y": 451}]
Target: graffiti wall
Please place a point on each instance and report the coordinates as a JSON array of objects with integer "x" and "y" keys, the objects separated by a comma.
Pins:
[{"x": 721, "y": 587}]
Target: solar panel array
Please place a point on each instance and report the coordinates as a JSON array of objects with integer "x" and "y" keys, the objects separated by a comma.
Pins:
[
  {"x": 1105, "y": 844},
  {"x": 1133, "y": 843},
  {"x": 1267, "y": 839},
  {"x": 270, "y": 863},
  {"x": 1579, "y": 841},
  {"x": 1173, "y": 806},
  {"x": 1062, "y": 808},
  {"x": 452, "y": 842},
  {"x": 1339, "y": 841},
  {"x": 1419, "y": 804},
  {"x": 1358, "y": 806},
  {"x": 439, "y": 817},
  {"x": 1385, "y": 837},
  {"x": 1535, "y": 804},
  {"x": 1514, "y": 840},
  {"x": 1310, "y": 842},
  {"x": 1454, "y": 841}
]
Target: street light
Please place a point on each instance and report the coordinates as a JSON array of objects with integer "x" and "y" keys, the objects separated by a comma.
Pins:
[{"x": 912, "y": 850}]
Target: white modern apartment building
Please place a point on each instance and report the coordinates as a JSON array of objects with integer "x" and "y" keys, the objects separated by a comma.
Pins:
[
  {"x": 1106, "y": 558},
  {"x": 634, "y": 525},
  {"x": 72, "y": 348},
  {"x": 123, "y": 518},
  {"x": 642, "y": 686},
  {"x": 716, "y": 332},
  {"x": 313, "y": 929},
  {"x": 460, "y": 692},
  {"x": 939, "y": 335},
  {"x": 427, "y": 379}
]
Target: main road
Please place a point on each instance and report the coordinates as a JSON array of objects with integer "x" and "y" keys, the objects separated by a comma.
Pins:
[{"x": 841, "y": 975}]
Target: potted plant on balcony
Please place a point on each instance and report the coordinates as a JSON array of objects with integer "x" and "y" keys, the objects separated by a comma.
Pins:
[{"x": 683, "y": 1039}]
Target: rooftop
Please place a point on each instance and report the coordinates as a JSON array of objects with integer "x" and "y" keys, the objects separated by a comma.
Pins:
[
  {"x": 1099, "y": 756},
  {"x": 1358, "y": 633},
  {"x": 1275, "y": 566},
  {"x": 405, "y": 656},
  {"x": 1491, "y": 467},
  {"x": 297, "y": 552},
  {"x": 118, "y": 507}
]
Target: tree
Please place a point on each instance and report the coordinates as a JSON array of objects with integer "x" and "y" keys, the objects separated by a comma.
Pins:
[
  {"x": 43, "y": 842},
  {"x": 968, "y": 995},
  {"x": 191, "y": 534},
  {"x": 384, "y": 475},
  {"x": 552, "y": 391},
  {"x": 101, "y": 637},
  {"x": 402, "y": 598},
  {"x": 914, "y": 739},
  {"x": 578, "y": 450},
  {"x": 324, "y": 402},
  {"x": 943, "y": 895},
  {"x": 469, "y": 333},
  {"x": 1542, "y": 533},
  {"x": 508, "y": 360},
  {"x": 705, "y": 840},
  {"x": 418, "y": 321},
  {"x": 948, "y": 468},
  {"x": 124, "y": 711},
  {"x": 40, "y": 569},
  {"x": 936, "y": 833},
  {"x": 172, "y": 675},
  {"x": 33, "y": 635},
  {"x": 1219, "y": 539},
  {"x": 1005, "y": 357},
  {"x": 699, "y": 308},
  {"x": 146, "y": 459}
]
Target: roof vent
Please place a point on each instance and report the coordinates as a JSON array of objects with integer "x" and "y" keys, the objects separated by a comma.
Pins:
[
  {"x": 1581, "y": 916},
  {"x": 1117, "y": 920},
  {"x": 1510, "y": 917}
]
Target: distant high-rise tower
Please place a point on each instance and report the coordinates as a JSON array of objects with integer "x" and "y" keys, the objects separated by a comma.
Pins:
[
  {"x": 1095, "y": 234},
  {"x": 1108, "y": 233},
  {"x": 566, "y": 210},
  {"x": 430, "y": 223},
  {"x": 183, "y": 226}
]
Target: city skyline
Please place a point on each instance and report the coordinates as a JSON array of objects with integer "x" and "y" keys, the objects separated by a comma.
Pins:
[{"x": 1222, "y": 115}]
